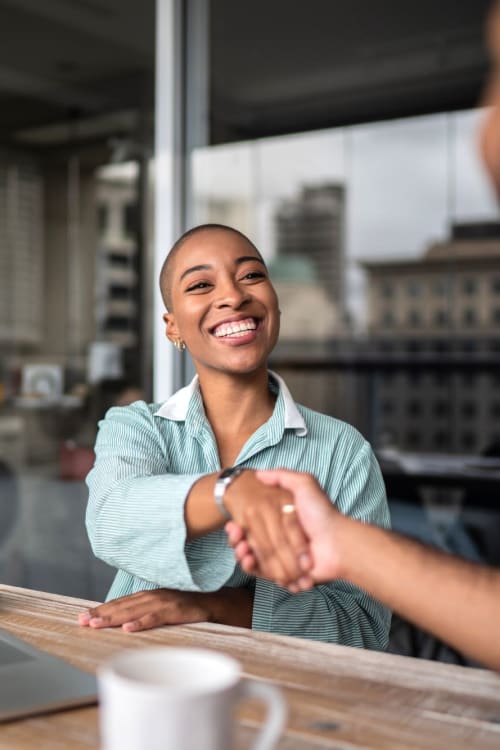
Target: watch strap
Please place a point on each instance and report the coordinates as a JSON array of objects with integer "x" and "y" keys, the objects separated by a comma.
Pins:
[{"x": 222, "y": 483}]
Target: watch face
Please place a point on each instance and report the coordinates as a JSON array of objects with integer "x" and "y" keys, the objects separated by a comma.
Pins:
[{"x": 229, "y": 472}]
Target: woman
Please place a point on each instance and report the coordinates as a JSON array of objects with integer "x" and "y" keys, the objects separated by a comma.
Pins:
[{"x": 152, "y": 511}]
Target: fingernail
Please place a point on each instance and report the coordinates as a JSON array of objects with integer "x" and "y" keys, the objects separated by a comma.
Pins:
[
  {"x": 96, "y": 621},
  {"x": 84, "y": 618},
  {"x": 129, "y": 627},
  {"x": 305, "y": 561}
]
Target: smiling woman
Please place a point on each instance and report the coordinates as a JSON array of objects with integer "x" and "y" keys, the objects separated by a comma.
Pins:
[{"x": 158, "y": 500}]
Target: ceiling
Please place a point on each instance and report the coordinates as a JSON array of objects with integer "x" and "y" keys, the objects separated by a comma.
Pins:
[
  {"x": 83, "y": 70},
  {"x": 65, "y": 65},
  {"x": 288, "y": 65}
]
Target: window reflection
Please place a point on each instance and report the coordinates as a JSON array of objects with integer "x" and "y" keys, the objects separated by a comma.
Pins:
[{"x": 374, "y": 273}]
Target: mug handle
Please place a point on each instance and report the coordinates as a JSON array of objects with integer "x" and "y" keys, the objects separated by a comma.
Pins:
[{"x": 276, "y": 712}]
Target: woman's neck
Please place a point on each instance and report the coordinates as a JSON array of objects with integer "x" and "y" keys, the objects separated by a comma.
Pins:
[{"x": 236, "y": 406}]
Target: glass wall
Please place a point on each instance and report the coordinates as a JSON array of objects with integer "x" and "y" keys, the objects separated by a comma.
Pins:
[
  {"x": 75, "y": 140},
  {"x": 383, "y": 241}
]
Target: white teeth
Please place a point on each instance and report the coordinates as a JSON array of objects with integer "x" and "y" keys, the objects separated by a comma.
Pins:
[{"x": 236, "y": 329}]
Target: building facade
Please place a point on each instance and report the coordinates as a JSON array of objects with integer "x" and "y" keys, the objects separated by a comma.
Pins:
[{"x": 443, "y": 308}]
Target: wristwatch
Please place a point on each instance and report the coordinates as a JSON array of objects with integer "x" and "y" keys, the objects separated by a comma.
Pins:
[{"x": 223, "y": 481}]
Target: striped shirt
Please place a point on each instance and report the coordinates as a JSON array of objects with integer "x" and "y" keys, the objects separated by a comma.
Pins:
[{"x": 149, "y": 456}]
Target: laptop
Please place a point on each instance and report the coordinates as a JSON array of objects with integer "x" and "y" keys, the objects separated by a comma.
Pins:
[{"x": 34, "y": 682}]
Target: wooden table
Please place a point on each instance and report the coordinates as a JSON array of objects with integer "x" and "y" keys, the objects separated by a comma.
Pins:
[{"x": 339, "y": 697}]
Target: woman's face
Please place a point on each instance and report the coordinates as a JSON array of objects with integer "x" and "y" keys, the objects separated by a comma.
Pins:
[{"x": 224, "y": 306}]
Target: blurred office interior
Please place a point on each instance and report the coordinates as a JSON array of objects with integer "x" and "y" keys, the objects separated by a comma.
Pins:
[{"x": 342, "y": 138}]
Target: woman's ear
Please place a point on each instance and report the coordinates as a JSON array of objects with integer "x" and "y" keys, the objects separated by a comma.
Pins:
[{"x": 171, "y": 330}]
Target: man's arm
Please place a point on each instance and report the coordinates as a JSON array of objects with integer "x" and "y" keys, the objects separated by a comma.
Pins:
[{"x": 456, "y": 600}]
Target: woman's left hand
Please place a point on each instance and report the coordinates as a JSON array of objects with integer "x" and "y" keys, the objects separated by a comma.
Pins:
[
  {"x": 148, "y": 609},
  {"x": 152, "y": 609}
]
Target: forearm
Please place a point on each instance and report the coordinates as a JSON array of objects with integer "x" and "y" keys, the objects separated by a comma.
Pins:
[
  {"x": 230, "y": 606},
  {"x": 456, "y": 600},
  {"x": 201, "y": 514}
]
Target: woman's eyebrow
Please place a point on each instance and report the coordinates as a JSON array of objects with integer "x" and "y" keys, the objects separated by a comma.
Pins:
[
  {"x": 206, "y": 266},
  {"x": 202, "y": 267},
  {"x": 246, "y": 258}
]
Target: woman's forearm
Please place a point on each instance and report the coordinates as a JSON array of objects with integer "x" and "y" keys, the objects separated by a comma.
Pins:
[{"x": 230, "y": 606}]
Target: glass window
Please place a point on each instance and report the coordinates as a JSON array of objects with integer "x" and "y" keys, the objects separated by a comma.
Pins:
[
  {"x": 74, "y": 339},
  {"x": 469, "y": 440},
  {"x": 469, "y": 317},
  {"x": 414, "y": 287},
  {"x": 414, "y": 408},
  {"x": 468, "y": 381},
  {"x": 441, "y": 346},
  {"x": 413, "y": 439},
  {"x": 387, "y": 290},
  {"x": 387, "y": 407},
  {"x": 441, "y": 318},
  {"x": 440, "y": 287},
  {"x": 102, "y": 218},
  {"x": 414, "y": 318},
  {"x": 389, "y": 193},
  {"x": 469, "y": 285},
  {"x": 469, "y": 409},
  {"x": 441, "y": 408},
  {"x": 388, "y": 318},
  {"x": 441, "y": 440}
]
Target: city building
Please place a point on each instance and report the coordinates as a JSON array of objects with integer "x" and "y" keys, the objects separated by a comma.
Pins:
[
  {"x": 443, "y": 308},
  {"x": 311, "y": 225}
]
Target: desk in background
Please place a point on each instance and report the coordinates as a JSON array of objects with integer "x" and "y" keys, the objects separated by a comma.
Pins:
[{"x": 339, "y": 697}]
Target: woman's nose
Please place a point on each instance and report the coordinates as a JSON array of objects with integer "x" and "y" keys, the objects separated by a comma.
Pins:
[{"x": 231, "y": 294}]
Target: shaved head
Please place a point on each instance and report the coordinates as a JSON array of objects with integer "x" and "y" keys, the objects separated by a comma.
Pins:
[{"x": 168, "y": 263}]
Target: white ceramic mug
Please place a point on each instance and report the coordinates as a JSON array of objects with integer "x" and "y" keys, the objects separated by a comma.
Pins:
[{"x": 179, "y": 699}]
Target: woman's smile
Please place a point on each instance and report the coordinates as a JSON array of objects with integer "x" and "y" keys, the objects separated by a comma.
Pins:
[{"x": 237, "y": 331}]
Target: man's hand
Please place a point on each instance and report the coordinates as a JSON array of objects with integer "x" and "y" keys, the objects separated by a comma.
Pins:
[
  {"x": 151, "y": 609},
  {"x": 318, "y": 518},
  {"x": 265, "y": 514}
]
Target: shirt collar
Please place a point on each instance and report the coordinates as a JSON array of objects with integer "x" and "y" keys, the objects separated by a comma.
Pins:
[{"x": 176, "y": 407}]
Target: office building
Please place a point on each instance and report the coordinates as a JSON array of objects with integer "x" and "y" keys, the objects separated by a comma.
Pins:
[
  {"x": 312, "y": 226},
  {"x": 443, "y": 308}
]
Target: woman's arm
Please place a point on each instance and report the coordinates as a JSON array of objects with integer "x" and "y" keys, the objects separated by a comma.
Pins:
[{"x": 165, "y": 528}]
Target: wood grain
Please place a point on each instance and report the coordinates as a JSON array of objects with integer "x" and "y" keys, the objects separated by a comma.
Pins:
[{"x": 339, "y": 697}]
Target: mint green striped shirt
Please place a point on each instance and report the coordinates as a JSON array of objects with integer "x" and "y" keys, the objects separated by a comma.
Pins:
[{"x": 149, "y": 456}]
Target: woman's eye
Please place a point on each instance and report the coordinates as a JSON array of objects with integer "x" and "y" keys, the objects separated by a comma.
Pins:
[
  {"x": 255, "y": 275},
  {"x": 198, "y": 285}
]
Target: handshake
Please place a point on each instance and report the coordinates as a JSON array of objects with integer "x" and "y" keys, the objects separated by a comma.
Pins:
[{"x": 284, "y": 527}]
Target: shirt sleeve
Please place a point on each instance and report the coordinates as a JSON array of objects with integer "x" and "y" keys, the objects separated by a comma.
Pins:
[
  {"x": 135, "y": 513},
  {"x": 337, "y": 612}
]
